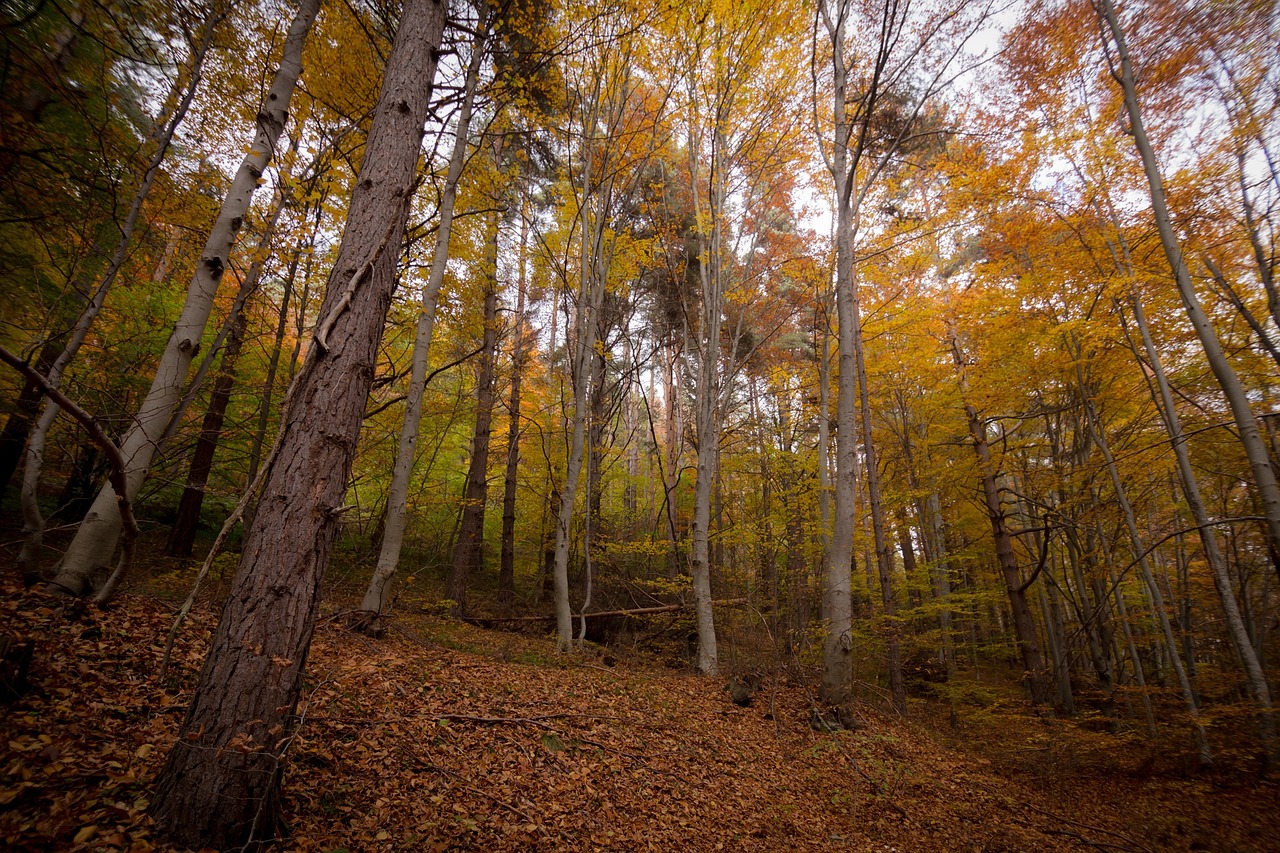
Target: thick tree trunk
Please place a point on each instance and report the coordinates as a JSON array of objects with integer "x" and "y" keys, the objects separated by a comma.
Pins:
[
  {"x": 183, "y": 535},
  {"x": 468, "y": 552},
  {"x": 396, "y": 519},
  {"x": 220, "y": 785},
  {"x": 95, "y": 540}
]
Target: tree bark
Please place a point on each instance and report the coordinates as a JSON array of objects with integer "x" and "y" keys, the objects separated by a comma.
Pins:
[
  {"x": 1153, "y": 589},
  {"x": 1023, "y": 624},
  {"x": 183, "y": 535},
  {"x": 507, "y": 560},
  {"x": 220, "y": 785},
  {"x": 396, "y": 519},
  {"x": 837, "y": 647},
  {"x": 96, "y": 538},
  {"x": 468, "y": 550},
  {"x": 18, "y": 426},
  {"x": 1237, "y": 398},
  {"x": 33, "y": 523}
]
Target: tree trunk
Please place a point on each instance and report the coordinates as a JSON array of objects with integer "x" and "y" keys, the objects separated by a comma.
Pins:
[
  {"x": 16, "y": 429},
  {"x": 837, "y": 647},
  {"x": 183, "y": 535},
  {"x": 95, "y": 540},
  {"x": 1237, "y": 398},
  {"x": 468, "y": 551},
  {"x": 220, "y": 785},
  {"x": 1023, "y": 624},
  {"x": 507, "y": 564},
  {"x": 396, "y": 517},
  {"x": 33, "y": 524},
  {"x": 884, "y": 560},
  {"x": 707, "y": 394}
]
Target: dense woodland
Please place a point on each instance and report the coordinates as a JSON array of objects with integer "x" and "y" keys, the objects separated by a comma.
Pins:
[{"x": 903, "y": 352}]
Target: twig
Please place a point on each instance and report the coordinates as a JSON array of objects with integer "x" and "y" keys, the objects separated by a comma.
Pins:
[
  {"x": 1060, "y": 818},
  {"x": 1098, "y": 845},
  {"x": 322, "y": 334},
  {"x": 119, "y": 480}
]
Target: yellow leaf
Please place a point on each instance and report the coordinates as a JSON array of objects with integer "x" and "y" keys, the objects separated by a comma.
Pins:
[{"x": 85, "y": 834}]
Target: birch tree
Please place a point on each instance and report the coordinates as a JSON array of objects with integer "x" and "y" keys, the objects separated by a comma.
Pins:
[{"x": 95, "y": 540}]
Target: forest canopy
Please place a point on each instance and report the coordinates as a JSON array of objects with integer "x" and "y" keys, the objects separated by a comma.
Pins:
[{"x": 892, "y": 343}]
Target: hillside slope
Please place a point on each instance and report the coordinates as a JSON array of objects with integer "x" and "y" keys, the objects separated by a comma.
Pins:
[{"x": 445, "y": 737}]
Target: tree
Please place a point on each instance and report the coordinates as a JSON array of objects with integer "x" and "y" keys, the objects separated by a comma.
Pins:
[
  {"x": 220, "y": 785},
  {"x": 95, "y": 539},
  {"x": 375, "y": 597}
]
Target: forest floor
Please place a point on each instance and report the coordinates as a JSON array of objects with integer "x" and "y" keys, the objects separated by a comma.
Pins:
[{"x": 443, "y": 736}]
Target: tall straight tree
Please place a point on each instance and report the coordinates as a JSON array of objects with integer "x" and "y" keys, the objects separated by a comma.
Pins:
[
  {"x": 220, "y": 786},
  {"x": 468, "y": 550},
  {"x": 883, "y": 88},
  {"x": 610, "y": 136},
  {"x": 375, "y": 597},
  {"x": 1264, "y": 476},
  {"x": 95, "y": 540}
]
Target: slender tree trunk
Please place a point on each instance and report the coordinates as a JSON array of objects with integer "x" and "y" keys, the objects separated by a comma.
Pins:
[
  {"x": 33, "y": 522},
  {"x": 884, "y": 560},
  {"x": 707, "y": 404},
  {"x": 468, "y": 551},
  {"x": 95, "y": 540},
  {"x": 18, "y": 426},
  {"x": 220, "y": 785},
  {"x": 837, "y": 647},
  {"x": 1153, "y": 589},
  {"x": 672, "y": 439},
  {"x": 396, "y": 519},
  {"x": 273, "y": 364},
  {"x": 1213, "y": 555},
  {"x": 1237, "y": 398},
  {"x": 507, "y": 566},
  {"x": 1023, "y": 624},
  {"x": 182, "y": 536}
]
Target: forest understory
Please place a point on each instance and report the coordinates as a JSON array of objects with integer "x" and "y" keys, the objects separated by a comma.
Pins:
[{"x": 440, "y": 735}]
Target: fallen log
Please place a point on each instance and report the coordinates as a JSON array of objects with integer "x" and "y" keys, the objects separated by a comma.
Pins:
[{"x": 493, "y": 621}]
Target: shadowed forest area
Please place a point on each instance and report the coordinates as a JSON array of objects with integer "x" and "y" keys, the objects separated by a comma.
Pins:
[{"x": 518, "y": 424}]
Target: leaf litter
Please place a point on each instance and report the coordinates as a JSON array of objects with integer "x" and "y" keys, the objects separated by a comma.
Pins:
[{"x": 440, "y": 736}]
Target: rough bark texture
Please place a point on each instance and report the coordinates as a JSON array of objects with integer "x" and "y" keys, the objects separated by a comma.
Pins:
[
  {"x": 220, "y": 786},
  {"x": 396, "y": 519},
  {"x": 96, "y": 538}
]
